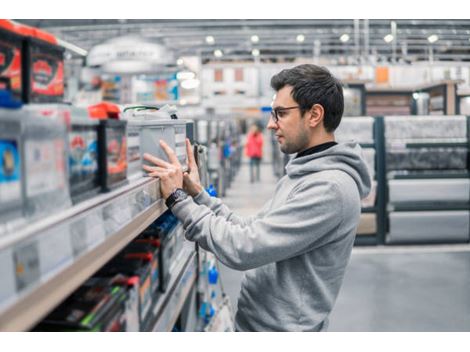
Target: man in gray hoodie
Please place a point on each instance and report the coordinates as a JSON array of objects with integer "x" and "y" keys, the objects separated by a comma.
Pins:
[{"x": 295, "y": 250}]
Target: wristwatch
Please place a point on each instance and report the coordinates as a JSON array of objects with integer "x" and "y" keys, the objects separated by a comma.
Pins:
[{"x": 176, "y": 196}]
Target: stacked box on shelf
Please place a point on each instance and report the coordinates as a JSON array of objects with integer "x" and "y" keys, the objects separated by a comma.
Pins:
[
  {"x": 148, "y": 125},
  {"x": 98, "y": 305},
  {"x": 428, "y": 179},
  {"x": 11, "y": 172},
  {"x": 361, "y": 130}
]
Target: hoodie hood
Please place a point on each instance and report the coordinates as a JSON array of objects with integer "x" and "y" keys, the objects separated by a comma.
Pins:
[{"x": 346, "y": 157}]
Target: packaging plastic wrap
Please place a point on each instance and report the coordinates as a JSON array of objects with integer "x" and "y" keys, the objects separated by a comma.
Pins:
[
  {"x": 45, "y": 165},
  {"x": 427, "y": 158},
  {"x": 426, "y": 226},
  {"x": 429, "y": 190},
  {"x": 426, "y": 128},
  {"x": 11, "y": 174},
  {"x": 358, "y": 129}
]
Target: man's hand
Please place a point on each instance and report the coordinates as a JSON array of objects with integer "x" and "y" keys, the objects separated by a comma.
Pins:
[
  {"x": 170, "y": 174},
  {"x": 191, "y": 181}
]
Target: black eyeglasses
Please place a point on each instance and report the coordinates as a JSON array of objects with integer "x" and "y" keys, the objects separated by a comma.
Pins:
[{"x": 277, "y": 113}]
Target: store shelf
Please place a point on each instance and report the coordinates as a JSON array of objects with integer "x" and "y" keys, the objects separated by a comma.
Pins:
[
  {"x": 169, "y": 305},
  {"x": 45, "y": 262},
  {"x": 426, "y": 206},
  {"x": 396, "y": 175}
]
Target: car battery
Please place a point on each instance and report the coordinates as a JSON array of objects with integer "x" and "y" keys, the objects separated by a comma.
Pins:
[
  {"x": 83, "y": 156},
  {"x": 158, "y": 124},
  {"x": 162, "y": 230},
  {"x": 112, "y": 153},
  {"x": 11, "y": 172},
  {"x": 11, "y": 45},
  {"x": 43, "y": 68},
  {"x": 98, "y": 305},
  {"x": 140, "y": 268},
  {"x": 131, "y": 304},
  {"x": 45, "y": 167},
  {"x": 147, "y": 250},
  {"x": 134, "y": 163}
]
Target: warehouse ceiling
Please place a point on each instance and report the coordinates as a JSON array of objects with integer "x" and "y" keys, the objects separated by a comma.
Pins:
[{"x": 341, "y": 41}]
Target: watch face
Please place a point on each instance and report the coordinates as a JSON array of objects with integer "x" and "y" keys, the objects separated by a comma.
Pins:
[{"x": 180, "y": 195}]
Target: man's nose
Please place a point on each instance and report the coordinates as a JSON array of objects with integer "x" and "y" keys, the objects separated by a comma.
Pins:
[{"x": 271, "y": 124}]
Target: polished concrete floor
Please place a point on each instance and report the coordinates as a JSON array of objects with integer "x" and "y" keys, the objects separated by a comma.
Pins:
[{"x": 421, "y": 288}]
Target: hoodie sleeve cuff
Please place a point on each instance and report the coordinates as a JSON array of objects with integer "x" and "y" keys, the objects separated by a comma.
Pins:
[
  {"x": 203, "y": 198},
  {"x": 182, "y": 210}
]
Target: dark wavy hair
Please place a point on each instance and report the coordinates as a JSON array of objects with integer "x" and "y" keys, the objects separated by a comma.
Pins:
[{"x": 313, "y": 85}]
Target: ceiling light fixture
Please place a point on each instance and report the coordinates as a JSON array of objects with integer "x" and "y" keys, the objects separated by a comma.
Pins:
[
  {"x": 300, "y": 38},
  {"x": 255, "y": 52},
  {"x": 344, "y": 38},
  {"x": 210, "y": 39},
  {"x": 388, "y": 38},
  {"x": 433, "y": 38},
  {"x": 218, "y": 53},
  {"x": 254, "y": 39}
]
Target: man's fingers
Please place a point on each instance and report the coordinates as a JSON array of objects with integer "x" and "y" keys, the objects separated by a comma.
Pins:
[
  {"x": 190, "y": 154},
  {"x": 153, "y": 168},
  {"x": 156, "y": 160},
  {"x": 170, "y": 153}
]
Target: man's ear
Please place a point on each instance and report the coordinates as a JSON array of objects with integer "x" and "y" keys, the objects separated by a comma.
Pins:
[{"x": 316, "y": 114}]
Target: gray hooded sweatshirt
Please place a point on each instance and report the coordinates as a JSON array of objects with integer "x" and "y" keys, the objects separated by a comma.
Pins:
[{"x": 296, "y": 249}]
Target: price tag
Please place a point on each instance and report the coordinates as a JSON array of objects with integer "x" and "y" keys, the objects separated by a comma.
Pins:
[
  {"x": 95, "y": 228},
  {"x": 7, "y": 273},
  {"x": 55, "y": 249},
  {"x": 26, "y": 265},
  {"x": 78, "y": 236},
  {"x": 111, "y": 223}
]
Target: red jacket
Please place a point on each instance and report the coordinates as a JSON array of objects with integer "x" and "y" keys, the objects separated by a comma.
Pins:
[{"x": 254, "y": 145}]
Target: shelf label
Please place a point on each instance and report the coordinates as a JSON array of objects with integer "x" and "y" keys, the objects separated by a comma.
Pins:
[
  {"x": 55, "y": 249},
  {"x": 78, "y": 237},
  {"x": 7, "y": 273},
  {"x": 26, "y": 263},
  {"x": 95, "y": 228}
]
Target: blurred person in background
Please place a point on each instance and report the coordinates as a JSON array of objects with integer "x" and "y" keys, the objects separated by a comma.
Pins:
[{"x": 254, "y": 150}]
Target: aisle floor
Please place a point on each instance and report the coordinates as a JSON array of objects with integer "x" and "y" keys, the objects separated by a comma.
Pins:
[{"x": 424, "y": 288}]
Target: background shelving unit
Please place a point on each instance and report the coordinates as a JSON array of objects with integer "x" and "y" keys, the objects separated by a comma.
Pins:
[
  {"x": 367, "y": 131},
  {"x": 428, "y": 184}
]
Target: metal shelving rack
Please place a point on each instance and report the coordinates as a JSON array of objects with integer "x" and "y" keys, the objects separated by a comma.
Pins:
[
  {"x": 417, "y": 207},
  {"x": 43, "y": 263}
]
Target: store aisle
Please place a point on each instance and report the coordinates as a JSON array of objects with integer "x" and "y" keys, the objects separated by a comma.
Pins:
[
  {"x": 246, "y": 199},
  {"x": 394, "y": 289}
]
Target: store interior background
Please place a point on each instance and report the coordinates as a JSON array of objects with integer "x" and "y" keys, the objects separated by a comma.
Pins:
[{"x": 416, "y": 278}]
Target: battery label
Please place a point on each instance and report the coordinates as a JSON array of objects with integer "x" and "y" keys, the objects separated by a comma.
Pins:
[
  {"x": 10, "y": 171},
  {"x": 47, "y": 75},
  {"x": 10, "y": 65},
  {"x": 44, "y": 167}
]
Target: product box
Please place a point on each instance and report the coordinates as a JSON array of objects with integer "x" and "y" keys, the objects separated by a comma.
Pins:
[
  {"x": 148, "y": 250},
  {"x": 112, "y": 151},
  {"x": 83, "y": 156},
  {"x": 133, "y": 267},
  {"x": 43, "y": 68},
  {"x": 45, "y": 165},
  {"x": 134, "y": 163},
  {"x": 157, "y": 124},
  {"x": 163, "y": 230},
  {"x": 11, "y": 45},
  {"x": 98, "y": 305},
  {"x": 11, "y": 172}
]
